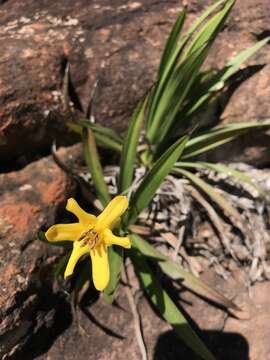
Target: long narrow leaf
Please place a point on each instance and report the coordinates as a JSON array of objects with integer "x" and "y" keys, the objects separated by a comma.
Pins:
[
  {"x": 174, "y": 271},
  {"x": 171, "y": 42},
  {"x": 167, "y": 104},
  {"x": 211, "y": 192},
  {"x": 102, "y": 139},
  {"x": 172, "y": 58},
  {"x": 208, "y": 88},
  {"x": 204, "y": 38},
  {"x": 207, "y": 13},
  {"x": 218, "y": 136},
  {"x": 167, "y": 308},
  {"x": 173, "y": 94},
  {"x": 108, "y": 143},
  {"x": 153, "y": 180},
  {"x": 211, "y": 28},
  {"x": 103, "y": 130},
  {"x": 116, "y": 264},
  {"x": 94, "y": 166},
  {"x": 221, "y": 168},
  {"x": 129, "y": 151}
]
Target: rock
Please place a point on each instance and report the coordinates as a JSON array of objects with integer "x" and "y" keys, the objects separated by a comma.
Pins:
[
  {"x": 257, "y": 327},
  {"x": 121, "y": 44},
  {"x": 106, "y": 331},
  {"x": 119, "y": 342},
  {"x": 247, "y": 24},
  {"x": 30, "y": 199}
]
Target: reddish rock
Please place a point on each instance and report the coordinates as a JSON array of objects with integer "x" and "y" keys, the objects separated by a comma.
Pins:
[
  {"x": 247, "y": 24},
  {"x": 255, "y": 329},
  {"x": 119, "y": 42},
  {"x": 89, "y": 341},
  {"x": 30, "y": 199},
  {"x": 117, "y": 340}
]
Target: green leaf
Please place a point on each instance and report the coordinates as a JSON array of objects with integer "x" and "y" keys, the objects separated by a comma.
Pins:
[
  {"x": 152, "y": 181},
  {"x": 175, "y": 272},
  {"x": 207, "y": 13},
  {"x": 210, "y": 30},
  {"x": 94, "y": 166},
  {"x": 172, "y": 88},
  {"x": 224, "y": 169},
  {"x": 105, "y": 137},
  {"x": 208, "y": 88},
  {"x": 171, "y": 49},
  {"x": 108, "y": 143},
  {"x": 217, "y": 136},
  {"x": 173, "y": 55},
  {"x": 167, "y": 308},
  {"x": 210, "y": 191},
  {"x": 174, "y": 94},
  {"x": 129, "y": 151},
  {"x": 99, "y": 129},
  {"x": 116, "y": 264}
]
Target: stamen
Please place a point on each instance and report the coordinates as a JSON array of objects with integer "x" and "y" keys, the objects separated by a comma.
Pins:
[{"x": 89, "y": 237}]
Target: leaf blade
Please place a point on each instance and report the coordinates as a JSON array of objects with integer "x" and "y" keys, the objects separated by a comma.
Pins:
[
  {"x": 211, "y": 192},
  {"x": 224, "y": 169},
  {"x": 128, "y": 154},
  {"x": 116, "y": 264},
  {"x": 218, "y": 136},
  {"x": 174, "y": 271},
  {"x": 94, "y": 166},
  {"x": 167, "y": 308},
  {"x": 153, "y": 179}
]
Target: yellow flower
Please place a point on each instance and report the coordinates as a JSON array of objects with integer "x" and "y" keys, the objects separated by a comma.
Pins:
[{"x": 92, "y": 235}]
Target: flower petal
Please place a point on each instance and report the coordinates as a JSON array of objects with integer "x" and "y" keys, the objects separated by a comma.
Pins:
[
  {"x": 111, "y": 239},
  {"x": 100, "y": 266},
  {"x": 84, "y": 218},
  {"x": 111, "y": 213},
  {"x": 62, "y": 232},
  {"x": 76, "y": 254}
]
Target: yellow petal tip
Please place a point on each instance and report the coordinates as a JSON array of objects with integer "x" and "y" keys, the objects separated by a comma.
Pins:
[
  {"x": 50, "y": 233},
  {"x": 67, "y": 274},
  {"x": 71, "y": 201},
  {"x": 101, "y": 287}
]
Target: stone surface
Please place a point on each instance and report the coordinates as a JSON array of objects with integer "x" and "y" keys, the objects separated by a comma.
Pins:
[
  {"x": 30, "y": 199},
  {"x": 228, "y": 338},
  {"x": 255, "y": 329},
  {"x": 247, "y": 101},
  {"x": 95, "y": 343},
  {"x": 121, "y": 43}
]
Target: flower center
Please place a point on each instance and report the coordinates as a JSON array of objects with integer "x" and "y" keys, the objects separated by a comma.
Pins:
[{"x": 89, "y": 237}]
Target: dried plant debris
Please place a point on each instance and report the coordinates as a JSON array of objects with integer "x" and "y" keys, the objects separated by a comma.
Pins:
[
  {"x": 187, "y": 226},
  {"x": 209, "y": 233}
]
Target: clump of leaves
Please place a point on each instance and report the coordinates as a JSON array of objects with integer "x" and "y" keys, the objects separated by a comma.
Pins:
[{"x": 164, "y": 137}]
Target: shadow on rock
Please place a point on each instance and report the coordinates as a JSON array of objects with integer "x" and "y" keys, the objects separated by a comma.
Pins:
[
  {"x": 224, "y": 346},
  {"x": 54, "y": 316}
]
